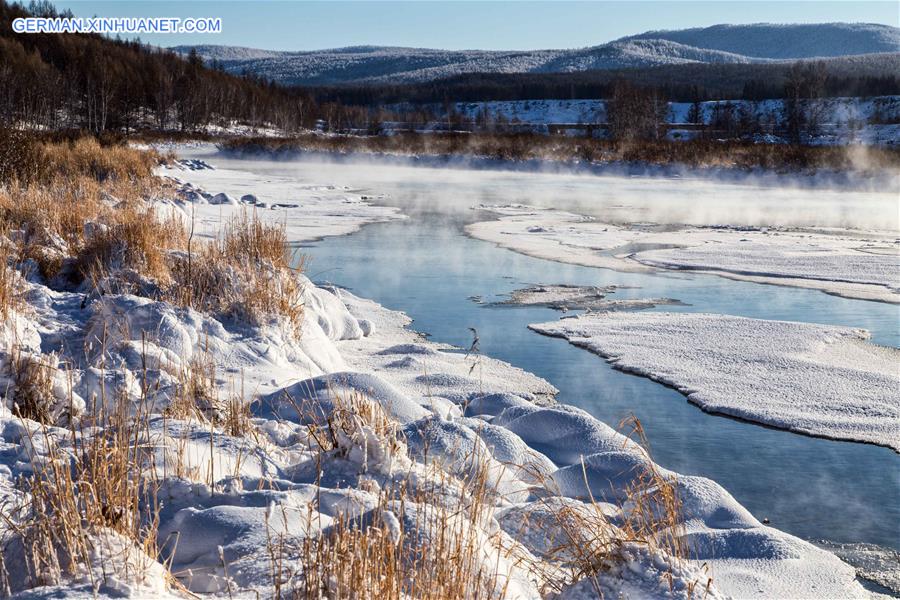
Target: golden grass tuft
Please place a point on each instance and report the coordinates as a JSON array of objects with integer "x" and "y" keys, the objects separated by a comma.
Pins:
[
  {"x": 424, "y": 538},
  {"x": 133, "y": 238},
  {"x": 246, "y": 237},
  {"x": 245, "y": 275},
  {"x": 85, "y": 156},
  {"x": 437, "y": 556},
  {"x": 590, "y": 544},
  {"x": 32, "y": 393}
]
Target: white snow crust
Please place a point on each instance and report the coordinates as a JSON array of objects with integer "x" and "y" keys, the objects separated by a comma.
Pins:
[{"x": 815, "y": 379}]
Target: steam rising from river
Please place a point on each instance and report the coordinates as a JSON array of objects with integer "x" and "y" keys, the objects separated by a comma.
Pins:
[{"x": 691, "y": 197}]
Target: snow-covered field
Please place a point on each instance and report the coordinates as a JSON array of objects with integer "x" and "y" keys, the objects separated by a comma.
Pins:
[
  {"x": 814, "y": 379},
  {"x": 850, "y": 263}
]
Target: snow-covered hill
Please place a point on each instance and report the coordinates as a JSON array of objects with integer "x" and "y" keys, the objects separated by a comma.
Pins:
[
  {"x": 766, "y": 40},
  {"x": 718, "y": 44}
]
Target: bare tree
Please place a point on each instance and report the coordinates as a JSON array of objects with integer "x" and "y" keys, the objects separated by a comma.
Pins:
[
  {"x": 635, "y": 113},
  {"x": 802, "y": 103}
]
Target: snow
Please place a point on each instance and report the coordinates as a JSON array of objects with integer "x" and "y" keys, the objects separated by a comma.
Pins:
[
  {"x": 814, "y": 379},
  {"x": 208, "y": 199},
  {"x": 873, "y": 563},
  {"x": 556, "y": 235},
  {"x": 385, "y": 64},
  {"x": 776, "y": 40},
  {"x": 842, "y": 265},
  {"x": 863, "y": 264},
  {"x": 755, "y": 43},
  {"x": 225, "y": 498}
]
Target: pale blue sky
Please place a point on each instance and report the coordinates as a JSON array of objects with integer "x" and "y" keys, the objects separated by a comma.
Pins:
[{"x": 509, "y": 24}]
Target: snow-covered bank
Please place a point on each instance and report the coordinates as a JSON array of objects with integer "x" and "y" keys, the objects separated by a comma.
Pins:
[
  {"x": 223, "y": 496},
  {"x": 850, "y": 263},
  {"x": 813, "y": 379},
  {"x": 210, "y": 196}
]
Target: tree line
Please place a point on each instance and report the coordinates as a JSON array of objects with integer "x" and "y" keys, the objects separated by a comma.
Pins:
[
  {"x": 873, "y": 76},
  {"x": 94, "y": 83},
  {"x": 97, "y": 84}
]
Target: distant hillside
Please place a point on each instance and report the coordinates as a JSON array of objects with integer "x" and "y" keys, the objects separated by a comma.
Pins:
[
  {"x": 720, "y": 44},
  {"x": 765, "y": 40},
  {"x": 413, "y": 65}
]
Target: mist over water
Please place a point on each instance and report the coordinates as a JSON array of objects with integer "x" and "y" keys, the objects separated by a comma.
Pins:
[{"x": 688, "y": 197}]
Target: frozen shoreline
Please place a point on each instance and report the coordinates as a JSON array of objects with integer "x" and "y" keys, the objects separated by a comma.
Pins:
[
  {"x": 859, "y": 265},
  {"x": 224, "y": 493}
]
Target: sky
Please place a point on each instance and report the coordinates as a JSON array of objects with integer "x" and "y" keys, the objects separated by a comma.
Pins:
[{"x": 467, "y": 24}]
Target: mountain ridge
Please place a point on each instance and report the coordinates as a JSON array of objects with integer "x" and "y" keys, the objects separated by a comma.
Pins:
[{"x": 759, "y": 43}]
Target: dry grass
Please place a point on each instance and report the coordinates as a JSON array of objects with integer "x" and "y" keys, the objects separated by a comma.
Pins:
[
  {"x": 590, "y": 544},
  {"x": 93, "y": 484},
  {"x": 424, "y": 539},
  {"x": 245, "y": 275},
  {"x": 32, "y": 392},
  {"x": 11, "y": 289},
  {"x": 654, "y": 509},
  {"x": 50, "y": 199},
  {"x": 197, "y": 397},
  {"x": 135, "y": 239},
  {"x": 85, "y": 156},
  {"x": 437, "y": 556},
  {"x": 246, "y": 237},
  {"x": 84, "y": 214}
]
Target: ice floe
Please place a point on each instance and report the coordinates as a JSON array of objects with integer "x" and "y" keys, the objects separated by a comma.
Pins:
[{"x": 820, "y": 380}]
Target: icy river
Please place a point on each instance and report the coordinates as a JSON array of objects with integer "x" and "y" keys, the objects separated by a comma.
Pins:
[{"x": 428, "y": 267}]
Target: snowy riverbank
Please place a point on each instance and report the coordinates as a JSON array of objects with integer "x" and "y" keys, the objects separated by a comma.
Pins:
[
  {"x": 182, "y": 447},
  {"x": 224, "y": 495}
]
